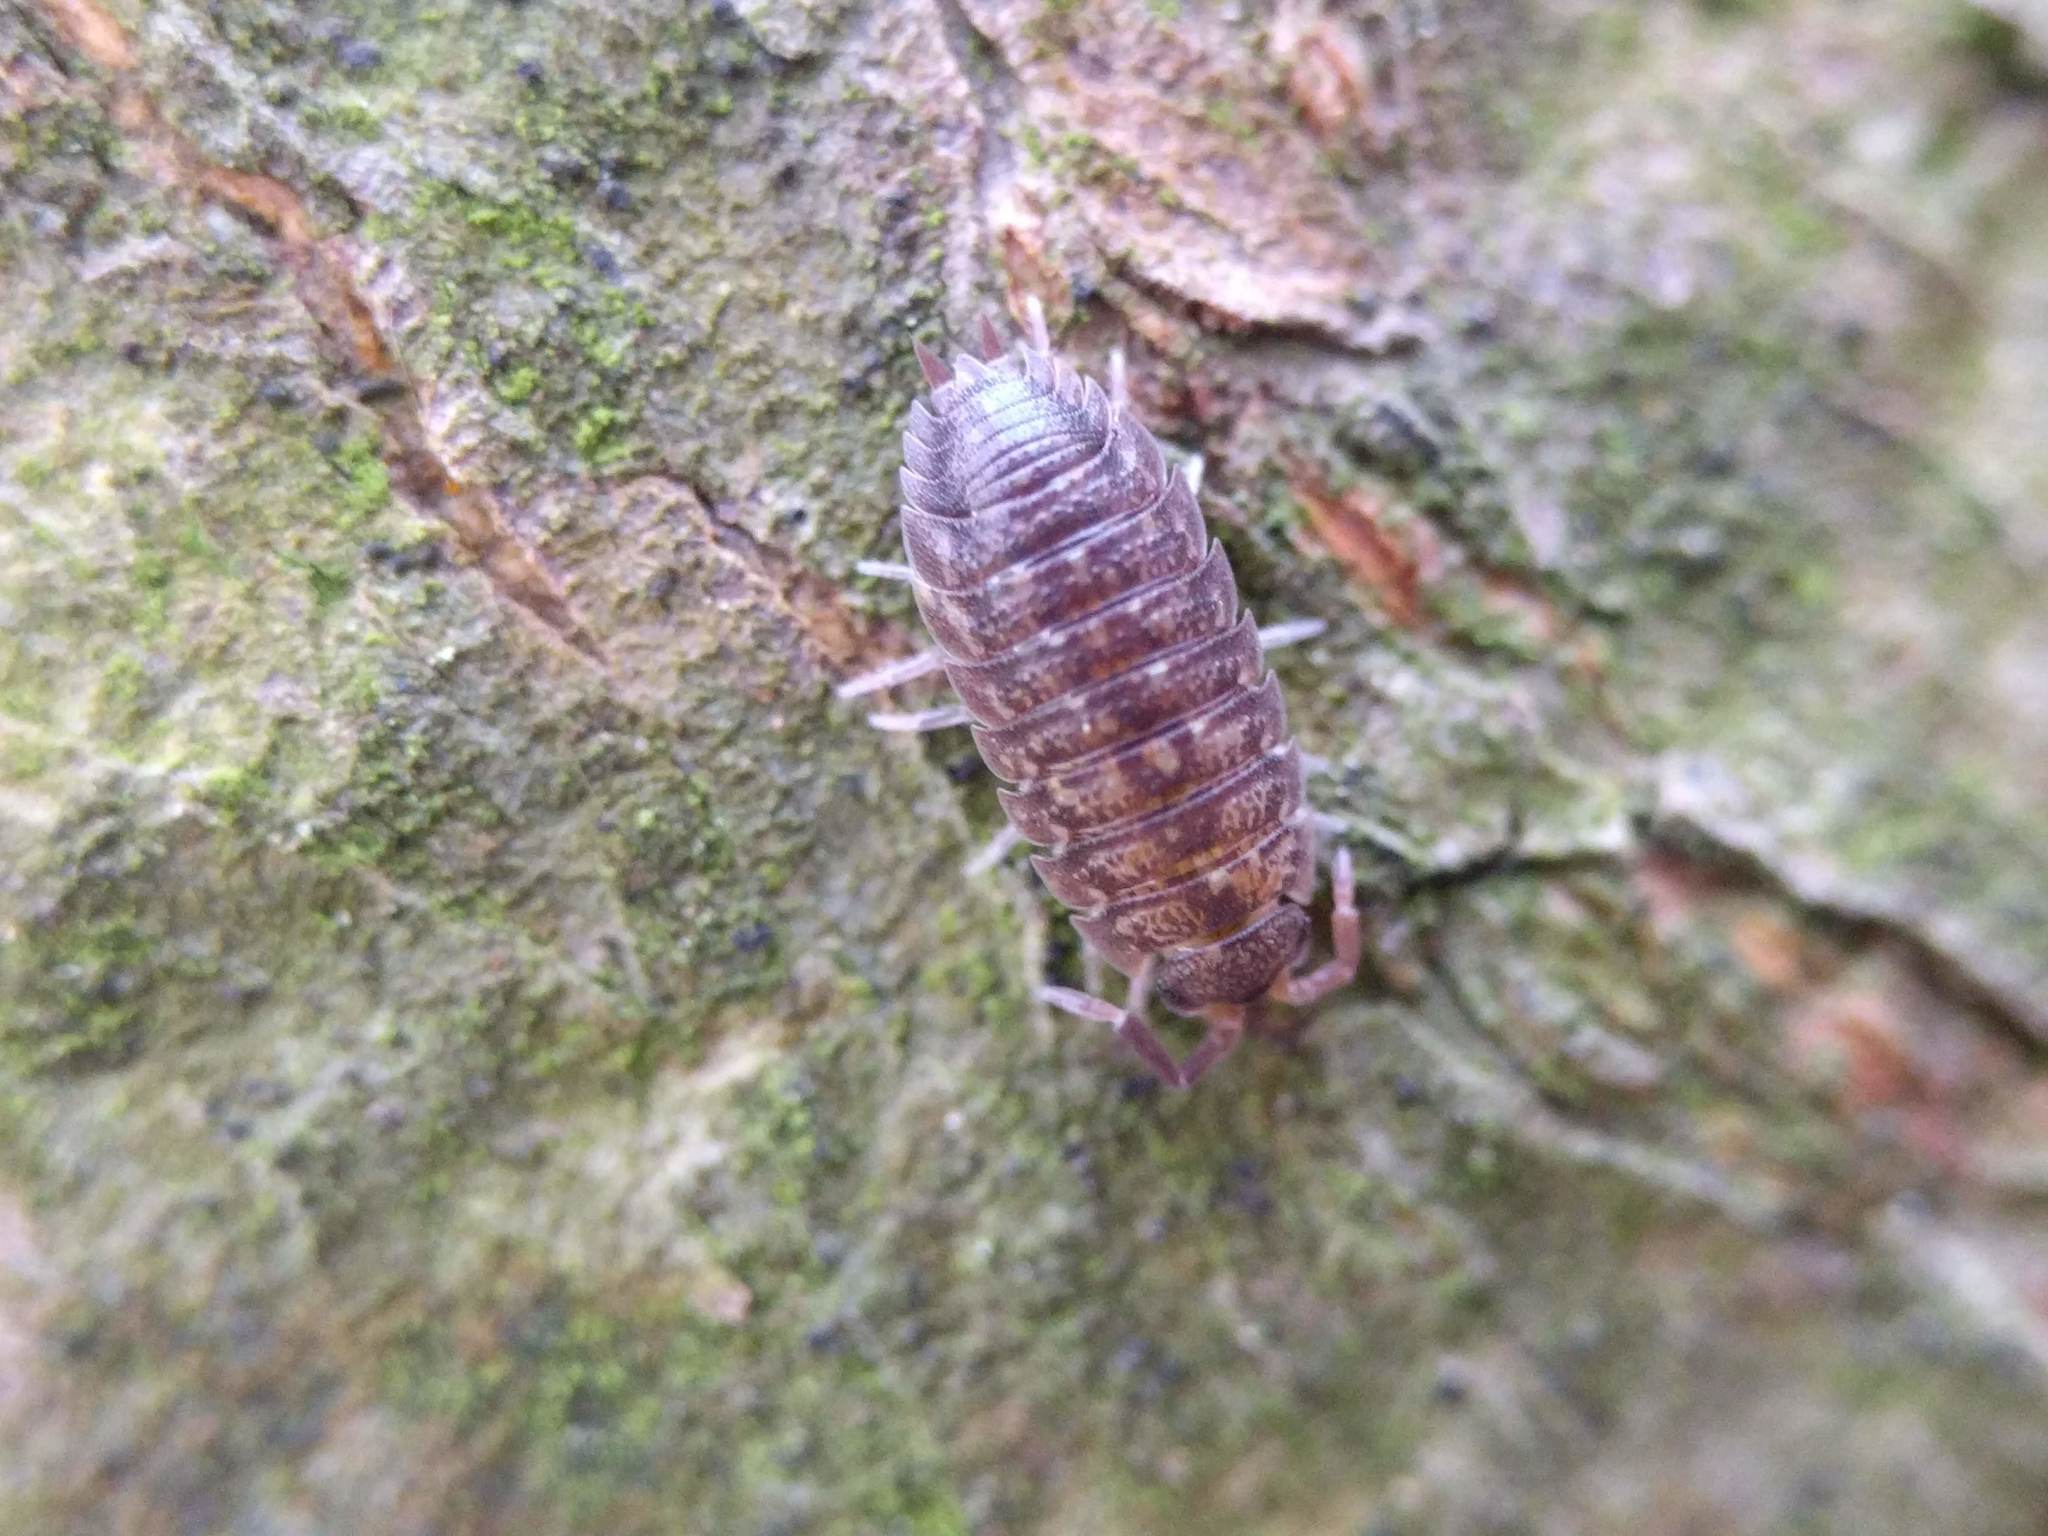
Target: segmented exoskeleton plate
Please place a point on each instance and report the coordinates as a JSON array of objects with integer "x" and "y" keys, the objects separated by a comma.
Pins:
[{"x": 1093, "y": 634}]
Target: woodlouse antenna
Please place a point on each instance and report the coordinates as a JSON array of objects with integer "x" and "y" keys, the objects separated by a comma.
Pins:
[
  {"x": 1119, "y": 383},
  {"x": 935, "y": 370},
  {"x": 991, "y": 338},
  {"x": 1036, "y": 331}
]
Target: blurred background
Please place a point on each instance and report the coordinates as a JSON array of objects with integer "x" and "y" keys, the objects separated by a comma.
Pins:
[{"x": 488, "y": 1044}]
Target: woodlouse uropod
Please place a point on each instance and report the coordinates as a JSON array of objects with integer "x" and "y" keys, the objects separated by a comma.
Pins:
[{"x": 1092, "y": 631}]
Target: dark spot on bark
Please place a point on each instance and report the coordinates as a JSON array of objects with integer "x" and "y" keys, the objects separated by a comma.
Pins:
[
  {"x": 1139, "y": 1090},
  {"x": 426, "y": 555},
  {"x": 1453, "y": 1383},
  {"x": 1392, "y": 436},
  {"x": 358, "y": 57},
  {"x": 1244, "y": 1186},
  {"x": 386, "y": 1114},
  {"x": 265, "y": 1092},
  {"x": 564, "y": 169}
]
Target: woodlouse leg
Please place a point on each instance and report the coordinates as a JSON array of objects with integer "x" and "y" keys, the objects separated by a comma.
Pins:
[
  {"x": 1119, "y": 384},
  {"x": 1322, "y": 825},
  {"x": 1035, "y": 329},
  {"x": 906, "y": 670},
  {"x": 1128, "y": 1022},
  {"x": 935, "y": 719},
  {"x": 1345, "y": 938},
  {"x": 884, "y": 570},
  {"x": 1196, "y": 468},
  {"x": 1290, "y": 632},
  {"x": 1226, "y": 1028},
  {"x": 1302, "y": 890},
  {"x": 1094, "y": 976},
  {"x": 993, "y": 852},
  {"x": 991, "y": 338}
]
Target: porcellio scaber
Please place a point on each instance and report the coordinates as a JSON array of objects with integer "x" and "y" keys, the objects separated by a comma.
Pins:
[{"x": 1092, "y": 631}]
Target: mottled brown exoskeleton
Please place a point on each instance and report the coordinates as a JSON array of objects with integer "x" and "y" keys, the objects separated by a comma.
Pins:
[{"x": 1092, "y": 631}]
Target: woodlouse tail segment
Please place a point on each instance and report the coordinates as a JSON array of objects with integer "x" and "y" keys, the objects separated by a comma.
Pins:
[
  {"x": 1226, "y": 1028},
  {"x": 1128, "y": 1021},
  {"x": 935, "y": 370},
  {"x": 1346, "y": 938}
]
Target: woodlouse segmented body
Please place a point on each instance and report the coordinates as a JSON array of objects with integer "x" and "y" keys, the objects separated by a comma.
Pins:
[
  {"x": 1093, "y": 634},
  {"x": 1092, "y": 630}
]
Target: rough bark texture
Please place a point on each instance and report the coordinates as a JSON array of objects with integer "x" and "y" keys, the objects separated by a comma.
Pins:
[{"x": 487, "y": 1044}]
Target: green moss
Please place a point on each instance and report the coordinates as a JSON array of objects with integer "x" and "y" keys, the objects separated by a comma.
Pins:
[
  {"x": 329, "y": 584},
  {"x": 344, "y": 119},
  {"x": 599, "y": 436},
  {"x": 87, "y": 999},
  {"x": 1999, "y": 42},
  {"x": 517, "y": 386},
  {"x": 1226, "y": 116},
  {"x": 366, "y": 481}
]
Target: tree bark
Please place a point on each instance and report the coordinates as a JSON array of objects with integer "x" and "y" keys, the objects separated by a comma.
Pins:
[{"x": 489, "y": 1044}]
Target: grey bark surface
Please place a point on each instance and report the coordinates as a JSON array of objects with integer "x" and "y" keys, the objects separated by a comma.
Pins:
[{"x": 487, "y": 1043}]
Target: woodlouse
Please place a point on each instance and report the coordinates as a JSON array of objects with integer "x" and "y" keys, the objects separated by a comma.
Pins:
[{"x": 1092, "y": 631}]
